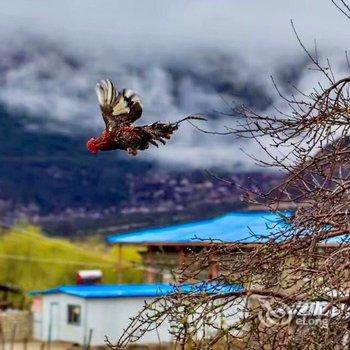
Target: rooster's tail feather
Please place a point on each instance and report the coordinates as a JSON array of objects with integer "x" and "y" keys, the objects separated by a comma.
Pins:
[
  {"x": 160, "y": 132},
  {"x": 191, "y": 117}
]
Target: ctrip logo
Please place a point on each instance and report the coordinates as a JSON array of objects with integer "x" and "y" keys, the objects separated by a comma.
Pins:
[{"x": 279, "y": 315}]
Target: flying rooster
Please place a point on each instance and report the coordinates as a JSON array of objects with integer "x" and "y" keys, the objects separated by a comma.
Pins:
[{"x": 119, "y": 111}]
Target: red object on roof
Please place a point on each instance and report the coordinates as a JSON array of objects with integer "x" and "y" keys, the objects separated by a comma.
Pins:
[{"x": 88, "y": 277}]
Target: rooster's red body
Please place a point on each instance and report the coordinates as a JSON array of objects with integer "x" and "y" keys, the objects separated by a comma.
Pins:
[{"x": 119, "y": 111}]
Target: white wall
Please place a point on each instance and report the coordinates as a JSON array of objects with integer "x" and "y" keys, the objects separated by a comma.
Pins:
[
  {"x": 108, "y": 317},
  {"x": 227, "y": 315},
  {"x": 61, "y": 330},
  {"x": 105, "y": 317}
]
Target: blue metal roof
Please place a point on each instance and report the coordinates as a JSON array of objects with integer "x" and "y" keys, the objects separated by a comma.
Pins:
[
  {"x": 136, "y": 290},
  {"x": 229, "y": 228}
]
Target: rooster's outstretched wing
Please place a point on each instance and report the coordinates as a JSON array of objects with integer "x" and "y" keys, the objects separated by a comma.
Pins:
[{"x": 117, "y": 107}]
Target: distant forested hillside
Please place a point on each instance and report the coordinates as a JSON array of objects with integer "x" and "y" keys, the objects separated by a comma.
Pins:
[
  {"x": 48, "y": 178},
  {"x": 54, "y": 170}
]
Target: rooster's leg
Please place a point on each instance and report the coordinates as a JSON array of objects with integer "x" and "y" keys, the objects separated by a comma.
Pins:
[{"x": 132, "y": 151}]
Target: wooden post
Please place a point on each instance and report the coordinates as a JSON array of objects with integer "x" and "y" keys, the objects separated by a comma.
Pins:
[
  {"x": 88, "y": 345},
  {"x": 213, "y": 267},
  {"x": 2, "y": 336},
  {"x": 181, "y": 257},
  {"x": 25, "y": 343},
  {"x": 120, "y": 264},
  {"x": 149, "y": 266},
  {"x": 13, "y": 337}
]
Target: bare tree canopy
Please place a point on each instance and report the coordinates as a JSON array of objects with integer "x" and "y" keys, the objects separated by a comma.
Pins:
[{"x": 295, "y": 282}]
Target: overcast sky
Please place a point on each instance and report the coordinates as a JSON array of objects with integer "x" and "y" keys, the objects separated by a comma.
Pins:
[
  {"x": 176, "y": 26},
  {"x": 110, "y": 35}
]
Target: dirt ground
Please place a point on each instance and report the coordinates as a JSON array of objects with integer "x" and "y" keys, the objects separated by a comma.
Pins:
[{"x": 37, "y": 345}]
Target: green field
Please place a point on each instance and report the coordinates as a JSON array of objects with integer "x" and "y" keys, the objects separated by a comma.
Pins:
[{"x": 32, "y": 261}]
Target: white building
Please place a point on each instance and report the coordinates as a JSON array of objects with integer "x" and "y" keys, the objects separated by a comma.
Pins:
[
  {"x": 87, "y": 314},
  {"x": 77, "y": 313}
]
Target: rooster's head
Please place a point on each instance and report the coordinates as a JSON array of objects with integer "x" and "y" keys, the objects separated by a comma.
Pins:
[{"x": 91, "y": 146}]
